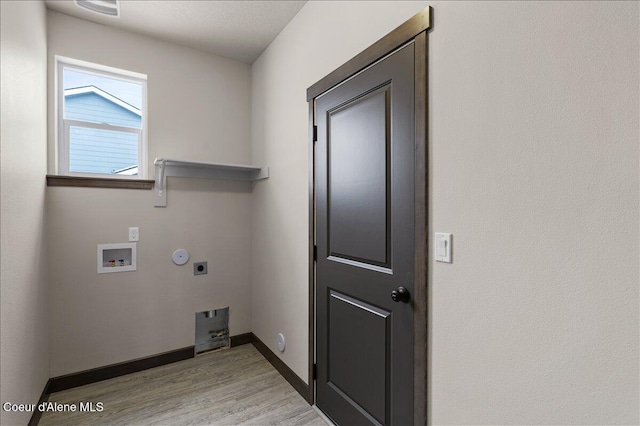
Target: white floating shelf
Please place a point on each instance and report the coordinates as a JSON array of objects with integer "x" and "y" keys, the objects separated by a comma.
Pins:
[{"x": 176, "y": 168}]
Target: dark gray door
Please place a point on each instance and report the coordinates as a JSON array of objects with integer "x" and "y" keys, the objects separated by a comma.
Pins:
[{"x": 365, "y": 156}]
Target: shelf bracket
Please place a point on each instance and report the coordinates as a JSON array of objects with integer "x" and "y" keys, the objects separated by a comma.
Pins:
[{"x": 160, "y": 192}]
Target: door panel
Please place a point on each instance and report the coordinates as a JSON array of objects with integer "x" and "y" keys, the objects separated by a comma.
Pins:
[
  {"x": 355, "y": 327},
  {"x": 365, "y": 174},
  {"x": 358, "y": 218}
]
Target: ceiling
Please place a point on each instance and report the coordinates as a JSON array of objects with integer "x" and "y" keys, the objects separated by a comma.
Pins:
[{"x": 239, "y": 30}]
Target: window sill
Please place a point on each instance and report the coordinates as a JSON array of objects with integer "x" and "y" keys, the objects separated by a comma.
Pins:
[{"x": 91, "y": 182}]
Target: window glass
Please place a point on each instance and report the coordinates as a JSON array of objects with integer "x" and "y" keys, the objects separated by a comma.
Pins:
[
  {"x": 102, "y": 122},
  {"x": 126, "y": 91},
  {"x": 102, "y": 151}
]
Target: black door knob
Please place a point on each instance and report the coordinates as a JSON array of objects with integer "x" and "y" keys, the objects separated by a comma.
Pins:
[{"x": 400, "y": 295}]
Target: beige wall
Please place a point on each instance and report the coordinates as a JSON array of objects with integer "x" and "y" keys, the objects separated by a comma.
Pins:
[
  {"x": 24, "y": 348},
  {"x": 198, "y": 109},
  {"x": 533, "y": 166}
]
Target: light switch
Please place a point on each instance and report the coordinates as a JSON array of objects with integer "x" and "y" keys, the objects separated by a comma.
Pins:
[{"x": 443, "y": 247}]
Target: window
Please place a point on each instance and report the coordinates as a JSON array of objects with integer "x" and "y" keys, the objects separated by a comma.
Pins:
[{"x": 101, "y": 122}]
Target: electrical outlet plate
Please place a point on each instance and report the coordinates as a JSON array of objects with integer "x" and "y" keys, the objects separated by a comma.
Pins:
[
  {"x": 134, "y": 234},
  {"x": 199, "y": 268},
  {"x": 443, "y": 247}
]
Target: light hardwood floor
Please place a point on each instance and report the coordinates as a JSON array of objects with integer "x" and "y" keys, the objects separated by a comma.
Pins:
[{"x": 229, "y": 387}]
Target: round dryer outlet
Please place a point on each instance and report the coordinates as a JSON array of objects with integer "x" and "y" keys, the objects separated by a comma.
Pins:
[
  {"x": 180, "y": 257},
  {"x": 280, "y": 342}
]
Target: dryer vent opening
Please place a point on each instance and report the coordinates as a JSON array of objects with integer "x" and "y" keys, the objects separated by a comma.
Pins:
[{"x": 212, "y": 330}]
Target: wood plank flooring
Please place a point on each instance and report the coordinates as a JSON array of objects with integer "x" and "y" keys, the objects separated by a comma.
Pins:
[{"x": 229, "y": 387}]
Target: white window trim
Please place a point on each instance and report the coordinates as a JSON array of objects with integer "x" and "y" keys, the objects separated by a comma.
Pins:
[{"x": 61, "y": 129}]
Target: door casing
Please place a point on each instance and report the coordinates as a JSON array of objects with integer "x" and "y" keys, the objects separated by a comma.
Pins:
[{"x": 414, "y": 29}]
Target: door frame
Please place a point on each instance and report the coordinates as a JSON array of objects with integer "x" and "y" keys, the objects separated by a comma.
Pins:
[{"x": 415, "y": 29}]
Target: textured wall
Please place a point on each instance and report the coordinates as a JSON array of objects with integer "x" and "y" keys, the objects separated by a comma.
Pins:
[
  {"x": 24, "y": 348},
  {"x": 533, "y": 166},
  {"x": 534, "y": 169},
  {"x": 198, "y": 109}
]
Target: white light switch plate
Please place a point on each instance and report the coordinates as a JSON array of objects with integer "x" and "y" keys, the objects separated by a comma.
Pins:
[
  {"x": 443, "y": 247},
  {"x": 134, "y": 234}
]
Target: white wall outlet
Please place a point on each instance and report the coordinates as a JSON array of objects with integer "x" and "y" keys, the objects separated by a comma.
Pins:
[
  {"x": 443, "y": 247},
  {"x": 134, "y": 234}
]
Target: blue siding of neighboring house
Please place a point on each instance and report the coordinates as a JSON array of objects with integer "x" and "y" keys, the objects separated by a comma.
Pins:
[
  {"x": 97, "y": 150},
  {"x": 93, "y": 107}
]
